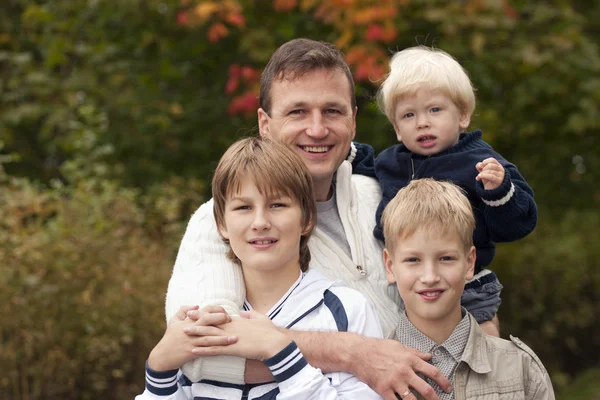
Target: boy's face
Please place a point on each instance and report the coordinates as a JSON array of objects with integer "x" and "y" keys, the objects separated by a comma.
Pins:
[
  {"x": 430, "y": 271},
  {"x": 428, "y": 122},
  {"x": 263, "y": 230}
]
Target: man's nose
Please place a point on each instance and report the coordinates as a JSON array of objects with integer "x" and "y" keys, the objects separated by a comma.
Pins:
[{"x": 317, "y": 128}]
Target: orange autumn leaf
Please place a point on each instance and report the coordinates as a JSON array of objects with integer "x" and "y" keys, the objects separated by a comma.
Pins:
[{"x": 217, "y": 31}]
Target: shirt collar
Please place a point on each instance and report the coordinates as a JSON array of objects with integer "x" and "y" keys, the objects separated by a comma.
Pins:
[{"x": 410, "y": 336}]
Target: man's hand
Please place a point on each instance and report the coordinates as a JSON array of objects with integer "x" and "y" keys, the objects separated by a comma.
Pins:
[
  {"x": 257, "y": 337},
  {"x": 389, "y": 367},
  {"x": 491, "y": 173}
]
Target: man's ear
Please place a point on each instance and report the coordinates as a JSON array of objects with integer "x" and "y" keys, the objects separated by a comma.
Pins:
[
  {"x": 471, "y": 257},
  {"x": 389, "y": 266},
  {"x": 354, "y": 122},
  {"x": 263, "y": 123},
  {"x": 465, "y": 120}
]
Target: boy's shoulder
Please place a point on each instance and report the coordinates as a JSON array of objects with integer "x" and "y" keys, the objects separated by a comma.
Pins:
[{"x": 512, "y": 352}]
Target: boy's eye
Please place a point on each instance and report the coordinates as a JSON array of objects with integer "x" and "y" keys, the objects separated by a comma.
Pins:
[
  {"x": 435, "y": 109},
  {"x": 411, "y": 260},
  {"x": 241, "y": 208},
  {"x": 277, "y": 205},
  {"x": 409, "y": 115},
  {"x": 447, "y": 258}
]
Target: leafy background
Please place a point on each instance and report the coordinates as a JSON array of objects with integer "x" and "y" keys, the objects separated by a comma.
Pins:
[{"x": 114, "y": 114}]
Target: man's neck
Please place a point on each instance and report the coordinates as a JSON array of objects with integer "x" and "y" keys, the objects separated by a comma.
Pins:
[
  {"x": 438, "y": 330},
  {"x": 265, "y": 288},
  {"x": 323, "y": 189}
]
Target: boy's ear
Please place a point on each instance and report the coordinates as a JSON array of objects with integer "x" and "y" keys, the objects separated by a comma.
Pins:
[
  {"x": 308, "y": 227},
  {"x": 465, "y": 120},
  {"x": 223, "y": 231},
  {"x": 389, "y": 266},
  {"x": 398, "y": 136},
  {"x": 263, "y": 123},
  {"x": 471, "y": 257}
]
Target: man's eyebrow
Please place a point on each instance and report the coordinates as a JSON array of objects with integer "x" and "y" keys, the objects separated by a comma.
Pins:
[{"x": 336, "y": 104}]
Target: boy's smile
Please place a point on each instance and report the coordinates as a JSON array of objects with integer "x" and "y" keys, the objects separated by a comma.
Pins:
[
  {"x": 428, "y": 122},
  {"x": 263, "y": 229},
  {"x": 430, "y": 270}
]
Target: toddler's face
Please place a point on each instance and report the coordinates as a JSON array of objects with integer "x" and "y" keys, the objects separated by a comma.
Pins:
[{"x": 428, "y": 122}]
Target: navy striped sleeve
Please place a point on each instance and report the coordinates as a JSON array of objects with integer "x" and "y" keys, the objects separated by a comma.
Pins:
[
  {"x": 287, "y": 363},
  {"x": 161, "y": 383}
]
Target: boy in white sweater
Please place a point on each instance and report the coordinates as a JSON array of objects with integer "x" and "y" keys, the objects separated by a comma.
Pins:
[
  {"x": 265, "y": 211},
  {"x": 429, "y": 254}
]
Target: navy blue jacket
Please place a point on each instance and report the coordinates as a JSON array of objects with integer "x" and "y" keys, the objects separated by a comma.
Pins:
[{"x": 396, "y": 166}]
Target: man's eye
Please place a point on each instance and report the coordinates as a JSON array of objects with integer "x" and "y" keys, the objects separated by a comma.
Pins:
[
  {"x": 296, "y": 112},
  {"x": 332, "y": 111}
]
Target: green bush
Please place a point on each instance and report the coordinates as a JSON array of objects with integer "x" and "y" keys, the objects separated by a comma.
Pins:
[
  {"x": 83, "y": 274},
  {"x": 551, "y": 296}
]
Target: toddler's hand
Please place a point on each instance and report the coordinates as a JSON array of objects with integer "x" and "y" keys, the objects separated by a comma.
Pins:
[{"x": 491, "y": 173}]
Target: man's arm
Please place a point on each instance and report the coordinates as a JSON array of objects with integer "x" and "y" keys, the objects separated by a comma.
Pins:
[{"x": 203, "y": 275}]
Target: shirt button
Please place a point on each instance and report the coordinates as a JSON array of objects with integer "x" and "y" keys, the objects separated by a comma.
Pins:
[{"x": 437, "y": 353}]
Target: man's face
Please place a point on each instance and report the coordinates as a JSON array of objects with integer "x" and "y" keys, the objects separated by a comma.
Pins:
[{"x": 313, "y": 115}]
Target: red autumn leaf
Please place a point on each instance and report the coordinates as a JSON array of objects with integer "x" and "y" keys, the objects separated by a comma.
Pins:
[
  {"x": 249, "y": 74},
  {"x": 232, "y": 85},
  {"x": 183, "y": 18},
  {"x": 374, "y": 33}
]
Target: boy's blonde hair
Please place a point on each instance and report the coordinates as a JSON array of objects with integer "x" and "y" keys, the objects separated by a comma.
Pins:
[
  {"x": 274, "y": 168},
  {"x": 422, "y": 67},
  {"x": 441, "y": 208}
]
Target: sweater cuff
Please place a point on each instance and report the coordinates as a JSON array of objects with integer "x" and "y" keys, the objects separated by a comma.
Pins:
[
  {"x": 499, "y": 196},
  {"x": 227, "y": 369},
  {"x": 161, "y": 383},
  {"x": 288, "y": 367}
]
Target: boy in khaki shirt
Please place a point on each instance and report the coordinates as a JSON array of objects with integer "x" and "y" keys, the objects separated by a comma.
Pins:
[{"x": 429, "y": 254}]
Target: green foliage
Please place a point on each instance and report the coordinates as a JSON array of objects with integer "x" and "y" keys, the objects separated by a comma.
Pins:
[{"x": 83, "y": 272}]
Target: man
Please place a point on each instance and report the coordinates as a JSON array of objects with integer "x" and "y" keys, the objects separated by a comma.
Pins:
[{"x": 307, "y": 102}]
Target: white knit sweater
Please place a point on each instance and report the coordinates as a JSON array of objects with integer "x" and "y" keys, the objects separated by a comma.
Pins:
[{"x": 203, "y": 275}]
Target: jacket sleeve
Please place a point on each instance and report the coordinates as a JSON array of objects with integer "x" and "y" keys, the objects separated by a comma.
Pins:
[
  {"x": 362, "y": 157},
  {"x": 164, "y": 385},
  {"x": 203, "y": 275},
  {"x": 510, "y": 211},
  {"x": 299, "y": 380}
]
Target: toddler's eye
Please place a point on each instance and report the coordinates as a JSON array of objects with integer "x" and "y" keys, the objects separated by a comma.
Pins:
[
  {"x": 409, "y": 115},
  {"x": 435, "y": 109}
]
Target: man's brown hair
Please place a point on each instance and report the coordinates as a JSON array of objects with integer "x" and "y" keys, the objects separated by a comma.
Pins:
[
  {"x": 298, "y": 57},
  {"x": 274, "y": 168}
]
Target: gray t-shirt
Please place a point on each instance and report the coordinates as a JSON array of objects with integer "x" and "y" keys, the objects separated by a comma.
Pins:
[{"x": 329, "y": 221}]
